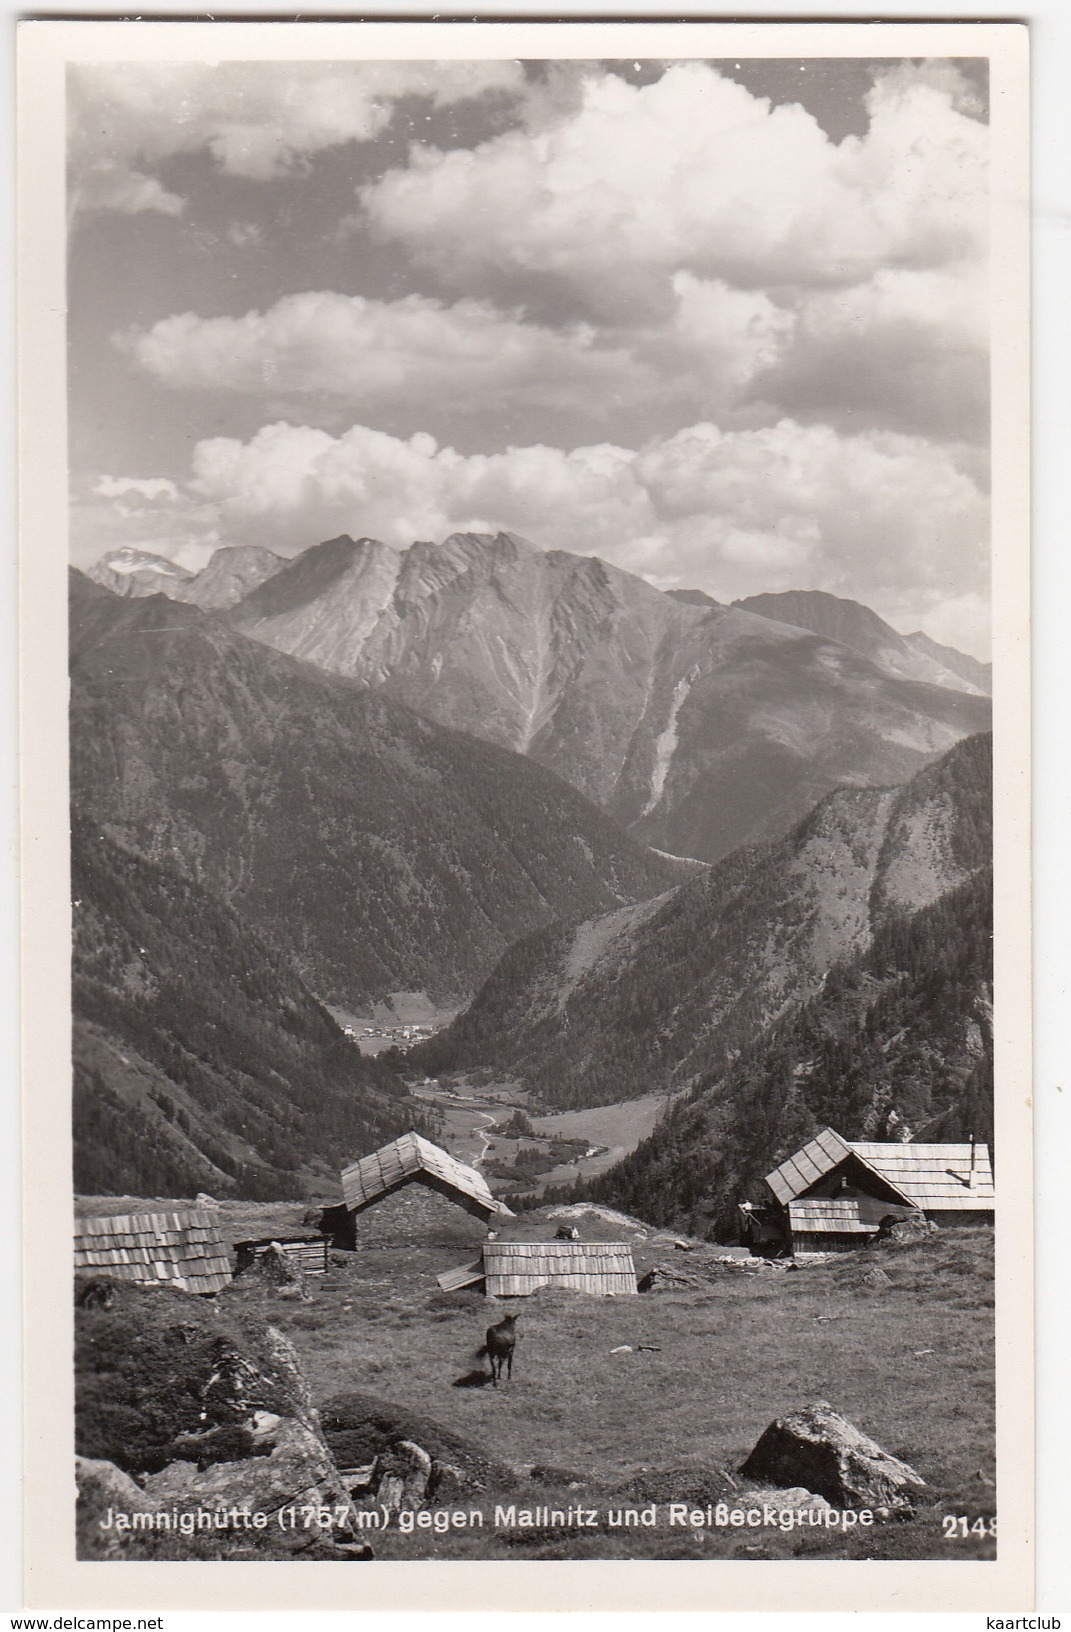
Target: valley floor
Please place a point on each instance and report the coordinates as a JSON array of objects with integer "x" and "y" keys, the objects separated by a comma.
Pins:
[
  {"x": 469, "y": 1113},
  {"x": 909, "y": 1362}
]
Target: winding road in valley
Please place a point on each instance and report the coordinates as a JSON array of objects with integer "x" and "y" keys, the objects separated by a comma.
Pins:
[{"x": 484, "y": 1134}]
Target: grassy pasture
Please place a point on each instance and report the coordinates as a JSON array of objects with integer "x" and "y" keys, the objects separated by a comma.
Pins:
[{"x": 911, "y": 1363}]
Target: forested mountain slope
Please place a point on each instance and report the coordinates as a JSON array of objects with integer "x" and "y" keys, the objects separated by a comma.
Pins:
[
  {"x": 200, "y": 1059},
  {"x": 664, "y": 994},
  {"x": 898, "y": 1041}
]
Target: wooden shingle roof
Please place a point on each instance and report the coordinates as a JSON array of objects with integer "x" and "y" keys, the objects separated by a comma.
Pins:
[
  {"x": 937, "y": 1178},
  {"x": 517, "y": 1268},
  {"x": 817, "y": 1158},
  {"x": 183, "y": 1248},
  {"x": 931, "y": 1177},
  {"x": 414, "y": 1159}
]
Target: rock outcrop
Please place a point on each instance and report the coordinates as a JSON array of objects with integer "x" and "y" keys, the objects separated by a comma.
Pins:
[
  {"x": 400, "y": 1458},
  {"x": 292, "y": 1468},
  {"x": 190, "y": 1406},
  {"x": 103, "y": 1491}
]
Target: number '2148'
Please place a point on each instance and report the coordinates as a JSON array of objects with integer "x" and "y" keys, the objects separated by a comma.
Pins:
[{"x": 957, "y": 1527}]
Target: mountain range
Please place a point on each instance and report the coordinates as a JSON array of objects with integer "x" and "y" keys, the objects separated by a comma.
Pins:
[
  {"x": 697, "y": 726},
  {"x": 663, "y": 995},
  {"x": 476, "y": 768},
  {"x": 232, "y": 573},
  {"x": 379, "y": 851}
]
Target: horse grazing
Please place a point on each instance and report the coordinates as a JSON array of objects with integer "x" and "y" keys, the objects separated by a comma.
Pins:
[{"x": 501, "y": 1341}]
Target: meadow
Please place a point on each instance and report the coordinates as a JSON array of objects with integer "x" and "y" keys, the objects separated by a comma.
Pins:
[{"x": 908, "y": 1360}]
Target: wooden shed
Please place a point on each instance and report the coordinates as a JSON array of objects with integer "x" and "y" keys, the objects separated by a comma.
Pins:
[
  {"x": 183, "y": 1249},
  {"x": 515, "y": 1269},
  {"x": 833, "y": 1193},
  {"x": 408, "y": 1160}
]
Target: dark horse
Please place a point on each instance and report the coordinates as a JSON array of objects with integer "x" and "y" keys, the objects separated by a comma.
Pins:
[{"x": 501, "y": 1341}]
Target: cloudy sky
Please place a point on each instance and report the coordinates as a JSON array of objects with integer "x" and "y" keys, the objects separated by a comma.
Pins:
[{"x": 722, "y": 323}]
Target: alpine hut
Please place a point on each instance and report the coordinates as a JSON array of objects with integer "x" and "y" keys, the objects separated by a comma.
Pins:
[
  {"x": 408, "y": 1160},
  {"x": 182, "y": 1249},
  {"x": 516, "y": 1269},
  {"x": 833, "y": 1194}
]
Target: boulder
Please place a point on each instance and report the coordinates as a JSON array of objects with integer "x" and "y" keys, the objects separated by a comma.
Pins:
[
  {"x": 406, "y": 1471},
  {"x": 796, "y": 1500},
  {"x": 875, "y": 1276},
  {"x": 93, "y": 1292},
  {"x": 298, "y": 1470},
  {"x": 825, "y": 1453},
  {"x": 274, "y": 1268},
  {"x": 284, "y": 1359},
  {"x": 901, "y": 1232},
  {"x": 103, "y": 1490},
  {"x": 663, "y": 1279},
  {"x": 360, "y": 1428}
]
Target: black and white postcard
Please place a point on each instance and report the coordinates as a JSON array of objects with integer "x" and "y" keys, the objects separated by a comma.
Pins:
[{"x": 525, "y": 655}]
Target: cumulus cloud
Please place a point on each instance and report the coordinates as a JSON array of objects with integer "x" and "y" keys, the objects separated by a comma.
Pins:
[
  {"x": 290, "y": 481},
  {"x": 723, "y": 336},
  {"x": 803, "y": 506},
  {"x": 749, "y": 258},
  {"x": 908, "y": 350},
  {"x": 258, "y": 120},
  {"x": 152, "y": 487},
  {"x": 886, "y": 518},
  {"x": 374, "y": 351},
  {"x": 725, "y": 257},
  {"x": 693, "y": 172}
]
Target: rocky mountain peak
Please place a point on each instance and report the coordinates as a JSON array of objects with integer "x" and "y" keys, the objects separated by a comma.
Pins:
[
  {"x": 132, "y": 572},
  {"x": 697, "y": 726}
]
